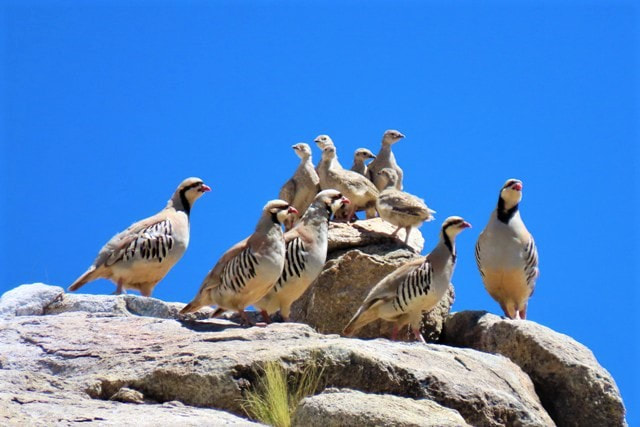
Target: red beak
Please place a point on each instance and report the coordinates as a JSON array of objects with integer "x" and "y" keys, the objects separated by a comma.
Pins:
[
  {"x": 292, "y": 210},
  {"x": 517, "y": 186},
  {"x": 466, "y": 225},
  {"x": 204, "y": 188},
  {"x": 345, "y": 201}
]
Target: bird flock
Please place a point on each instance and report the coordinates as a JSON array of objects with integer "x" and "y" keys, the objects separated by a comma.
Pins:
[{"x": 272, "y": 268}]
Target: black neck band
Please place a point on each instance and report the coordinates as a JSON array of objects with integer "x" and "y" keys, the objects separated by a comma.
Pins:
[{"x": 505, "y": 215}]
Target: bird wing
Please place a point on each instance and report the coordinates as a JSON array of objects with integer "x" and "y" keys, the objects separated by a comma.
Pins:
[
  {"x": 295, "y": 261},
  {"x": 288, "y": 191},
  {"x": 215, "y": 277},
  {"x": 530, "y": 255},
  {"x": 388, "y": 288},
  {"x": 149, "y": 239},
  {"x": 405, "y": 203}
]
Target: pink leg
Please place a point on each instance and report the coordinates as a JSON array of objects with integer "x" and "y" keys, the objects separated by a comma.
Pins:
[
  {"x": 265, "y": 316},
  {"x": 119, "y": 289},
  {"x": 418, "y": 335},
  {"x": 523, "y": 312},
  {"x": 394, "y": 333}
]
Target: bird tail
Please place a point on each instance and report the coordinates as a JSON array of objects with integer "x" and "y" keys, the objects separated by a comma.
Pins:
[
  {"x": 87, "y": 276},
  {"x": 358, "y": 321},
  {"x": 191, "y": 307}
]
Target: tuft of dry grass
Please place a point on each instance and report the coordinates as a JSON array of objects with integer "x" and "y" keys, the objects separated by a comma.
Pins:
[{"x": 275, "y": 397}]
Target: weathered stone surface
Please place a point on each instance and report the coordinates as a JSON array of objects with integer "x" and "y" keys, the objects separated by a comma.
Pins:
[
  {"x": 573, "y": 387},
  {"x": 36, "y": 399},
  {"x": 350, "y": 408},
  {"x": 368, "y": 232},
  {"x": 208, "y": 364},
  {"x": 28, "y": 300}
]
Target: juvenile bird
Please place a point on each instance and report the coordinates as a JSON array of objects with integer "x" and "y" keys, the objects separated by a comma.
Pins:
[
  {"x": 302, "y": 187},
  {"x": 324, "y": 141},
  {"x": 506, "y": 254},
  {"x": 401, "y": 209},
  {"x": 140, "y": 256},
  {"x": 386, "y": 159},
  {"x": 417, "y": 286},
  {"x": 305, "y": 254},
  {"x": 246, "y": 272},
  {"x": 360, "y": 156},
  {"x": 358, "y": 189}
]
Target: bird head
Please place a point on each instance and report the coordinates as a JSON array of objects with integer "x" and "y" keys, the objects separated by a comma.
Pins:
[
  {"x": 329, "y": 152},
  {"x": 389, "y": 177},
  {"x": 391, "y": 137},
  {"x": 323, "y": 141},
  {"x": 302, "y": 150},
  {"x": 279, "y": 210},
  {"x": 454, "y": 225},
  {"x": 191, "y": 189},
  {"x": 363, "y": 154},
  {"x": 511, "y": 192},
  {"x": 332, "y": 199}
]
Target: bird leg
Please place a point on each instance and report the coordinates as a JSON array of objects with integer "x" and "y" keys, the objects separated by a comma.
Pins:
[
  {"x": 265, "y": 316},
  {"x": 119, "y": 289},
  {"x": 395, "y": 232},
  {"x": 418, "y": 335},
  {"x": 523, "y": 312},
  {"x": 406, "y": 239},
  {"x": 245, "y": 318},
  {"x": 394, "y": 332}
]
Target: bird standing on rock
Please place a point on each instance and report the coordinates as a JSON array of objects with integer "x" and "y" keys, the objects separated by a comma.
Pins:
[
  {"x": 140, "y": 256},
  {"x": 302, "y": 187},
  {"x": 305, "y": 254},
  {"x": 417, "y": 286},
  {"x": 506, "y": 254},
  {"x": 358, "y": 189},
  {"x": 386, "y": 159},
  {"x": 247, "y": 271},
  {"x": 360, "y": 156},
  {"x": 401, "y": 209}
]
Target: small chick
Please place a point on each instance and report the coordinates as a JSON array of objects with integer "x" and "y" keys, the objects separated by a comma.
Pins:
[
  {"x": 302, "y": 187},
  {"x": 358, "y": 189},
  {"x": 360, "y": 156},
  {"x": 401, "y": 209},
  {"x": 386, "y": 159}
]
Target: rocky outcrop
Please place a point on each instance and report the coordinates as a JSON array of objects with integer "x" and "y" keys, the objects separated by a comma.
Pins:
[
  {"x": 68, "y": 364},
  {"x": 574, "y": 388},
  {"x": 350, "y": 408},
  {"x": 359, "y": 256}
]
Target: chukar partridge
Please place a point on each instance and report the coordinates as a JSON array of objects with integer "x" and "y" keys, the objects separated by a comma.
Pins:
[
  {"x": 506, "y": 254},
  {"x": 401, "y": 209},
  {"x": 357, "y": 188},
  {"x": 360, "y": 156},
  {"x": 246, "y": 272},
  {"x": 302, "y": 187},
  {"x": 305, "y": 254},
  {"x": 386, "y": 159},
  {"x": 140, "y": 256},
  {"x": 403, "y": 295}
]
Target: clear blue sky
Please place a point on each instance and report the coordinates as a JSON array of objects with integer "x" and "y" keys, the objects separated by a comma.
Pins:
[{"x": 107, "y": 106}]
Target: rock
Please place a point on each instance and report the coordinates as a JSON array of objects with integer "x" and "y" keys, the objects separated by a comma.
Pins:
[
  {"x": 359, "y": 256},
  {"x": 26, "y": 300},
  {"x": 573, "y": 387},
  {"x": 368, "y": 232},
  {"x": 30, "y": 399},
  {"x": 350, "y": 408},
  {"x": 89, "y": 357}
]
